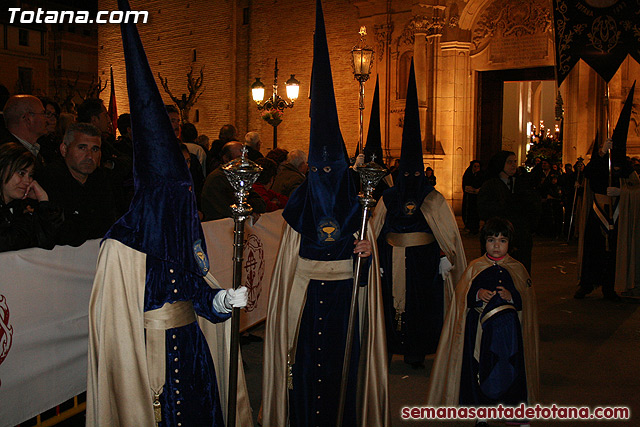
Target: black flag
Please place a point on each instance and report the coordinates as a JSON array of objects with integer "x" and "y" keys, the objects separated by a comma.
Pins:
[{"x": 600, "y": 32}]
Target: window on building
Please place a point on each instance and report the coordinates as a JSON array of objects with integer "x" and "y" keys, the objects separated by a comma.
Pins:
[
  {"x": 195, "y": 56},
  {"x": 25, "y": 80},
  {"x": 404, "y": 65},
  {"x": 245, "y": 16},
  {"x": 23, "y": 37},
  {"x": 197, "y": 116}
]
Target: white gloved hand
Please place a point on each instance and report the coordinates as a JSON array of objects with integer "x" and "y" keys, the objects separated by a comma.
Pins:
[
  {"x": 228, "y": 299},
  {"x": 613, "y": 191},
  {"x": 236, "y": 298},
  {"x": 445, "y": 266}
]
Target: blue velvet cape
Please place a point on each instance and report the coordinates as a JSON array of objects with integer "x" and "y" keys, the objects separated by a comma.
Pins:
[{"x": 499, "y": 376}]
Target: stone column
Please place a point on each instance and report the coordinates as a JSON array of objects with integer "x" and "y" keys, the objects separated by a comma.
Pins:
[{"x": 454, "y": 120}]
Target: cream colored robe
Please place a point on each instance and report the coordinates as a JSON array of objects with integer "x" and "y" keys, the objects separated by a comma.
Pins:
[
  {"x": 628, "y": 248},
  {"x": 283, "y": 317},
  {"x": 627, "y": 277},
  {"x": 443, "y": 224},
  {"x": 444, "y": 382},
  {"x": 118, "y": 389}
]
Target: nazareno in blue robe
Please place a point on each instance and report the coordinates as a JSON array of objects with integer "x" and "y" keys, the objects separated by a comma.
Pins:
[
  {"x": 499, "y": 374},
  {"x": 317, "y": 372},
  {"x": 190, "y": 395},
  {"x": 421, "y": 322}
]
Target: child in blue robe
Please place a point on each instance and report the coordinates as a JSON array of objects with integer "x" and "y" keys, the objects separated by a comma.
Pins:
[{"x": 488, "y": 351}]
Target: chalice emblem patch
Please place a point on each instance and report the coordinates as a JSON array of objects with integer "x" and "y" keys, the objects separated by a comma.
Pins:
[
  {"x": 410, "y": 208},
  {"x": 328, "y": 230}
]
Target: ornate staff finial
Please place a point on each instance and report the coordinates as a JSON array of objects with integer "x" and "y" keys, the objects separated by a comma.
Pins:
[
  {"x": 242, "y": 173},
  {"x": 370, "y": 175}
]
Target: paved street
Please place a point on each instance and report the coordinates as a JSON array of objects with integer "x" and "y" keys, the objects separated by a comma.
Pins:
[{"x": 589, "y": 349}]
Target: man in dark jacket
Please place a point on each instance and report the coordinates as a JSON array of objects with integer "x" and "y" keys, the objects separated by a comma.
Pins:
[
  {"x": 81, "y": 187},
  {"x": 507, "y": 196},
  {"x": 26, "y": 121}
]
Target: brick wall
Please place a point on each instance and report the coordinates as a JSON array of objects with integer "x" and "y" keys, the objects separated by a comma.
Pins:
[{"x": 233, "y": 54}]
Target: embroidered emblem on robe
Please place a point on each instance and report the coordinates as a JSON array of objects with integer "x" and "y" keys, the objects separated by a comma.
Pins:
[
  {"x": 410, "y": 208},
  {"x": 328, "y": 230},
  {"x": 201, "y": 258}
]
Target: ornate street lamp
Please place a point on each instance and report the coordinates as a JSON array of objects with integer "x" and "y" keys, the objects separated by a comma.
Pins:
[
  {"x": 274, "y": 106},
  {"x": 361, "y": 62}
]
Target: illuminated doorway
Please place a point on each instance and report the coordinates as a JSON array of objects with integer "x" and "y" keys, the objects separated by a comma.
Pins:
[{"x": 495, "y": 122}]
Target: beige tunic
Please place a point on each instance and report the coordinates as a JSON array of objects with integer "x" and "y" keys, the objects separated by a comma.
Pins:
[
  {"x": 283, "y": 317},
  {"x": 443, "y": 224}
]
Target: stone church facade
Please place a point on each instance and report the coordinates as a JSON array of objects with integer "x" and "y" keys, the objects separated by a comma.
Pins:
[{"x": 463, "y": 52}]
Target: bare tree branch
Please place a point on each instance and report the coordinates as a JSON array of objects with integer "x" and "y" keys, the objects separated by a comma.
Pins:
[{"x": 185, "y": 102}]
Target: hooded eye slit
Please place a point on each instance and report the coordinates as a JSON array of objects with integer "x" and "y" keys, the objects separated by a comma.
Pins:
[{"x": 327, "y": 169}]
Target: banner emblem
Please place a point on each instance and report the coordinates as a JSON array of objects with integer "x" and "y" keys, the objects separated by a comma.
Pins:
[
  {"x": 254, "y": 269},
  {"x": 6, "y": 330}
]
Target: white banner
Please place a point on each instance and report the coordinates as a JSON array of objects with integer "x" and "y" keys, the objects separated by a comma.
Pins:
[
  {"x": 260, "y": 251},
  {"x": 44, "y": 299}
]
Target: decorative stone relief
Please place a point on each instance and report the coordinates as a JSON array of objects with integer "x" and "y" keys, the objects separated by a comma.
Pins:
[
  {"x": 511, "y": 18},
  {"x": 453, "y": 20},
  {"x": 383, "y": 37},
  {"x": 420, "y": 25}
]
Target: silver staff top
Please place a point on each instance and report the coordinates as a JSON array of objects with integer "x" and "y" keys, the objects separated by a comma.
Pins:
[
  {"x": 370, "y": 175},
  {"x": 242, "y": 173}
]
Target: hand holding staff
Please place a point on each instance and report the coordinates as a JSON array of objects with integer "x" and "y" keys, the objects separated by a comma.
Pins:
[{"x": 370, "y": 174}]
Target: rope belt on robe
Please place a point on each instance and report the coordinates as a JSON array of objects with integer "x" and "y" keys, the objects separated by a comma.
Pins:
[
  {"x": 400, "y": 241},
  {"x": 156, "y": 322},
  {"x": 307, "y": 270}
]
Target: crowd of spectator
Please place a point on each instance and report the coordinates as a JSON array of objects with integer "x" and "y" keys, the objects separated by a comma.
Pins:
[
  {"x": 558, "y": 190},
  {"x": 66, "y": 178},
  {"x": 76, "y": 178}
]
